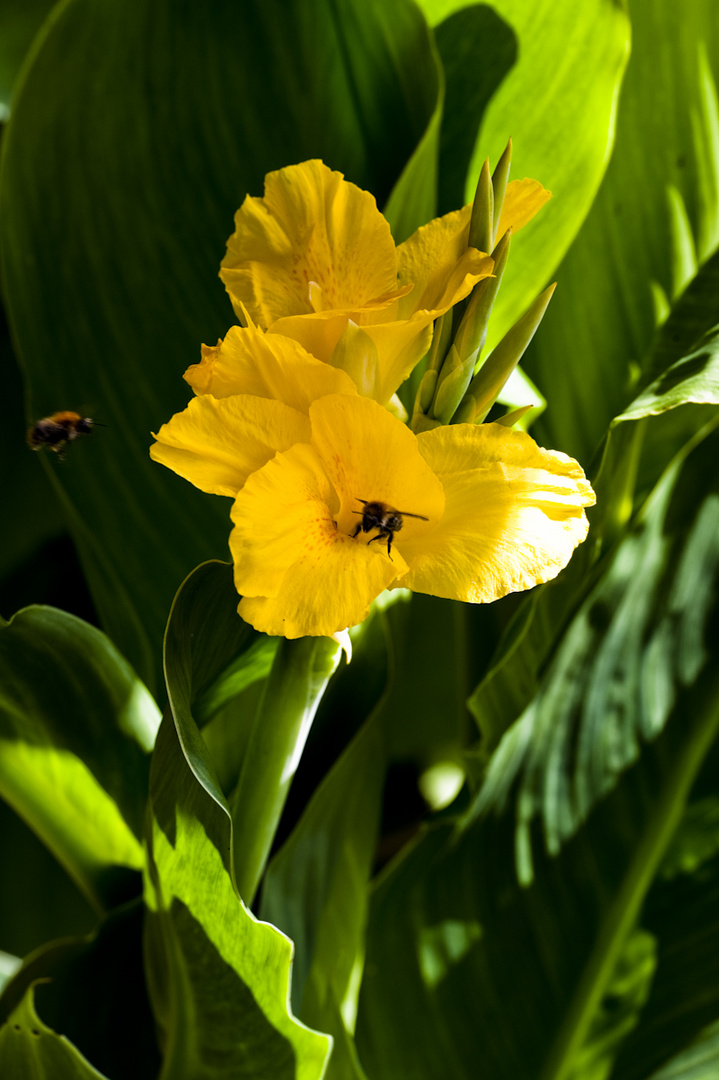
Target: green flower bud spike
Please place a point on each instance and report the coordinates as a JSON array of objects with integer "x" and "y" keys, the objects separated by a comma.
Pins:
[
  {"x": 500, "y": 177},
  {"x": 424, "y": 397},
  {"x": 487, "y": 384},
  {"x": 481, "y": 223},
  {"x": 459, "y": 367},
  {"x": 511, "y": 418}
]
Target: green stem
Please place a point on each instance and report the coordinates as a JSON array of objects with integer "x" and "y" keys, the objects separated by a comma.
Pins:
[{"x": 298, "y": 679}]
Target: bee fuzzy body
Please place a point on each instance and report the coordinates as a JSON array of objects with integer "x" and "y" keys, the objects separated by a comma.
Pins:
[
  {"x": 384, "y": 518},
  {"x": 57, "y": 431}
]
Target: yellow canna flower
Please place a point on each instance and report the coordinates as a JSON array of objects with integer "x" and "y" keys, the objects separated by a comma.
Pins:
[
  {"x": 253, "y": 399},
  {"x": 470, "y": 513},
  {"x": 314, "y": 259}
]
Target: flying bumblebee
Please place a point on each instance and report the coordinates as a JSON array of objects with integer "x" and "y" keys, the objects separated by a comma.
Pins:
[
  {"x": 384, "y": 518},
  {"x": 58, "y": 430}
]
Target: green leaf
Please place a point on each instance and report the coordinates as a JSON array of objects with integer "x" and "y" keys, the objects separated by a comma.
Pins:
[
  {"x": 28, "y": 1048},
  {"x": 413, "y": 199},
  {"x": 641, "y": 637},
  {"x": 19, "y": 22},
  {"x": 9, "y": 964},
  {"x": 558, "y": 105},
  {"x": 640, "y": 443},
  {"x": 681, "y": 914},
  {"x": 655, "y": 219},
  {"x": 544, "y": 962},
  {"x": 93, "y": 990},
  {"x": 693, "y": 317},
  {"x": 76, "y": 727},
  {"x": 692, "y": 379},
  {"x": 118, "y": 194},
  {"x": 476, "y": 29},
  {"x": 218, "y": 978}
]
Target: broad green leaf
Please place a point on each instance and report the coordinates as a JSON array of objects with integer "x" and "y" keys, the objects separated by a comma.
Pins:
[
  {"x": 544, "y": 962},
  {"x": 655, "y": 220},
  {"x": 316, "y": 887},
  {"x": 30, "y": 503},
  {"x": 692, "y": 379},
  {"x": 694, "y": 315},
  {"x": 682, "y": 915},
  {"x": 639, "y": 445},
  {"x": 467, "y": 32},
  {"x": 642, "y": 636},
  {"x": 92, "y": 990},
  {"x": 413, "y": 199},
  {"x": 76, "y": 728},
  {"x": 29, "y": 1049},
  {"x": 119, "y": 186},
  {"x": 218, "y": 978},
  {"x": 19, "y": 22},
  {"x": 558, "y": 104},
  {"x": 9, "y": 964},
  {"x": 698, "y": 1062}
]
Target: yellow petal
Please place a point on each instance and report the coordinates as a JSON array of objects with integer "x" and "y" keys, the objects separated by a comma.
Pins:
[
  {"x": 522, "y": 200},
  {"x": 440, "y": 265},
  {"x": 370, "y": 456},
  {"x": 298, "y": 575},
  {"x": 514, "y": 514},
  {"x": 312, "y": 226},
  {"x": 216, "y": 444},
  {"x": 399, "y": 344},
  {"x": 249, "y": 361}
]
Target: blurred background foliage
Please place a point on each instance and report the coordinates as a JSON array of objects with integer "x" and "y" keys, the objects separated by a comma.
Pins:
[{"x": 523, "y": 886}]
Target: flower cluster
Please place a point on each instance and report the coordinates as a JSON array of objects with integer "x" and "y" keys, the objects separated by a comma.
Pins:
[{"x": 295, "y": 416}]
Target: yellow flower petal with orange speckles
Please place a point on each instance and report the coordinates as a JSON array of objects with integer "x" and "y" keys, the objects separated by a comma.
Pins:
[
  {"x": 370, "y": 456},
  {"x": 297, "y": 572},
  {"x": 249, "y": 361},
  {"x": 217, "y": 443},
  {"x": 311, "y": 228}
]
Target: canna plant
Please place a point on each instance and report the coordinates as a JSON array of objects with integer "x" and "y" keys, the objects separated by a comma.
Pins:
[{"x": 386, "y": 746}]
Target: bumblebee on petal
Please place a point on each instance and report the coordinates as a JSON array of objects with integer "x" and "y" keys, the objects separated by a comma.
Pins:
[{"x": 384, "y": 518}]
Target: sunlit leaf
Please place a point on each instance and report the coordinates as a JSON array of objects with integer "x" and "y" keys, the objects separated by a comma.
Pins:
[
  {"x": 643, "y": 636},
  {"x": 76, "y": 728},
  {"x": 219, "y": 978},
  {"x": 675, "y": 407},
  {"x": 655, "y": 220},
  {"x": 558, "y": 104}
]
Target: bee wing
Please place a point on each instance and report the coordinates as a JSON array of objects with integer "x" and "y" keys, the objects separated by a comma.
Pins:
[{"x": 406, "y": 513}]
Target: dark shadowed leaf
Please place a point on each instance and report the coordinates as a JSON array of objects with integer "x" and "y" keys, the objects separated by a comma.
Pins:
[
  {"x": 132, "y": 169},
  {"x": 561, "y": 970},
  {"x": 30, "y": 1049}
]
